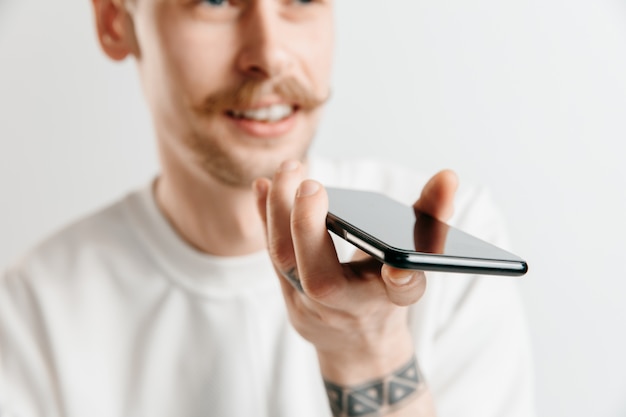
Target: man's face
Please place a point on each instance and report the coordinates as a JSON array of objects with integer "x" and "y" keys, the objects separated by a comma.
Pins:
[{"x": 234, "y": 87}]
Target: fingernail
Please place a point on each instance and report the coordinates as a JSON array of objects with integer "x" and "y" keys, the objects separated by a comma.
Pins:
[
  {"x": 402, "y": 277},
  {"x": 290, "y": 165},
  {"x": 308, "y": 188}
]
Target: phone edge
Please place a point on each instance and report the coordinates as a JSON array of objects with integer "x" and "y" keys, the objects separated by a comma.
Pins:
[{"x": 424, "y": 262}]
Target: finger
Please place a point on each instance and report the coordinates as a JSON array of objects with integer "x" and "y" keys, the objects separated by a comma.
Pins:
[
  {"x": 437, "y": 198},
  {"x": 429, "y": 234},
  {"x": 319, "y": 268},
  {"x": 261, "y": 189},
  {"x": 404, "y": 287},
  {"x": 280, "y": 199}
]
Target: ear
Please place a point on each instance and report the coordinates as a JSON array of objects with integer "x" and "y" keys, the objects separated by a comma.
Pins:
[{"x": 115, "y": 28}]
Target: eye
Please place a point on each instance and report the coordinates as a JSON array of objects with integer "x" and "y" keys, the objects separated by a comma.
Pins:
[{"x": 216, "y": 3}]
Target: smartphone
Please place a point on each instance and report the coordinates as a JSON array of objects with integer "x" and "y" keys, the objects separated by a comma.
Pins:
[{"x": 403, "y": 237}]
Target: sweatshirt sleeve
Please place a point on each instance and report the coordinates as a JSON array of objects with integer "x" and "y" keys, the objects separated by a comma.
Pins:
[{"x": 26, "y": 369}]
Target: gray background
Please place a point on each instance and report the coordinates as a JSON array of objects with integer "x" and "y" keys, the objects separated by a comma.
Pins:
[{"x": 526, "y": 97}]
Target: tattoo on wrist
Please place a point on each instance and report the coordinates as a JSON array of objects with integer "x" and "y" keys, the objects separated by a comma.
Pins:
[{"x": 377, "y": 397}]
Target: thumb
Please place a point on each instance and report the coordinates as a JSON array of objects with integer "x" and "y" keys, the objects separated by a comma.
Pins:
[{"x": 437, "y": 198}]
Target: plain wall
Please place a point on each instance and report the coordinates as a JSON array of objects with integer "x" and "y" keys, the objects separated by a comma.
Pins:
[{"x": 527, "y": 98}]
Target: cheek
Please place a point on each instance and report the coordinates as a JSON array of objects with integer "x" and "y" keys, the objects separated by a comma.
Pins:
[
  {"x": 318, "y": 52},
  {"x": 199, "y": 63},
  {"x": 187, "y": 60}
]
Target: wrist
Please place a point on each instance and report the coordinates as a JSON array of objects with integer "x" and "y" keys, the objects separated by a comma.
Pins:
[
  {"x": 398, "y": 390},
  {"x": 358, "y": 363}
]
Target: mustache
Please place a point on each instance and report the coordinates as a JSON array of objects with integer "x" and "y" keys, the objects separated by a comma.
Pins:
[{"x": 252, "y": 91}]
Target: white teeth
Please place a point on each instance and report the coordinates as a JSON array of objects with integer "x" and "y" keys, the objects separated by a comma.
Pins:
[
  {"x": 271, "y": 113},
  {"x": 258, "y": 114}
]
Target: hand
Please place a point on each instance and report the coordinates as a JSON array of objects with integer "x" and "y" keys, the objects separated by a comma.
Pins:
[{"x": 354, "y": 313}]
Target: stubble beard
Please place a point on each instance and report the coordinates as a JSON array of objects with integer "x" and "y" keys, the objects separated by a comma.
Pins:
[{"x": 225, "y": 166}]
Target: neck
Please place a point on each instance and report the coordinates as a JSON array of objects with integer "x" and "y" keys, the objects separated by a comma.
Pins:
[{"x": 212, "y": 217}]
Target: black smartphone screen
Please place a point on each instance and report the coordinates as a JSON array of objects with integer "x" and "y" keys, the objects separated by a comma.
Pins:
[{"x": 405, "y": 238}]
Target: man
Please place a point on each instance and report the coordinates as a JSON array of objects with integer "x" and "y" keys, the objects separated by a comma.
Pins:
[{"x": 167, "y": 302}]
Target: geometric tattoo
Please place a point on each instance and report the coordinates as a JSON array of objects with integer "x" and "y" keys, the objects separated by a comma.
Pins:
[
  {"x": 292, "y": 278},
  {"x": 375, "y": 398}
]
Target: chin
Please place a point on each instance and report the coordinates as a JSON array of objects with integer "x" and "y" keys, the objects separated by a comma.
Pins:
[
  {"x": 239, "y": 172},
  {"x": 232, "y": 157}
]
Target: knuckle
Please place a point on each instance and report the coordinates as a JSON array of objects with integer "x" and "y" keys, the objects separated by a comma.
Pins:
[
  {"x": 281, "y": 257},
  {"x": 405, "y": 300},
  {"x": 319, "y": 287}
]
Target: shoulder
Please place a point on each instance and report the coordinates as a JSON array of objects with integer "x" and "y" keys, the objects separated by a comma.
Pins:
[{"x": 87, "y": 241}]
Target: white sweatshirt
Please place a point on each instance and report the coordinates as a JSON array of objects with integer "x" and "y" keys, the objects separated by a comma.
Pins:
[{"x": 117, "y": 316}]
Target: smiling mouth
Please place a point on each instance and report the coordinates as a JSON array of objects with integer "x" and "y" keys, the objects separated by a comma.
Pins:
[{"x": 269, "y": 114}]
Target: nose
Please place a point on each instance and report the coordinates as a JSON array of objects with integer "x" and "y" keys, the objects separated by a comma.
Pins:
[{"x": 264, "y": 53}]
